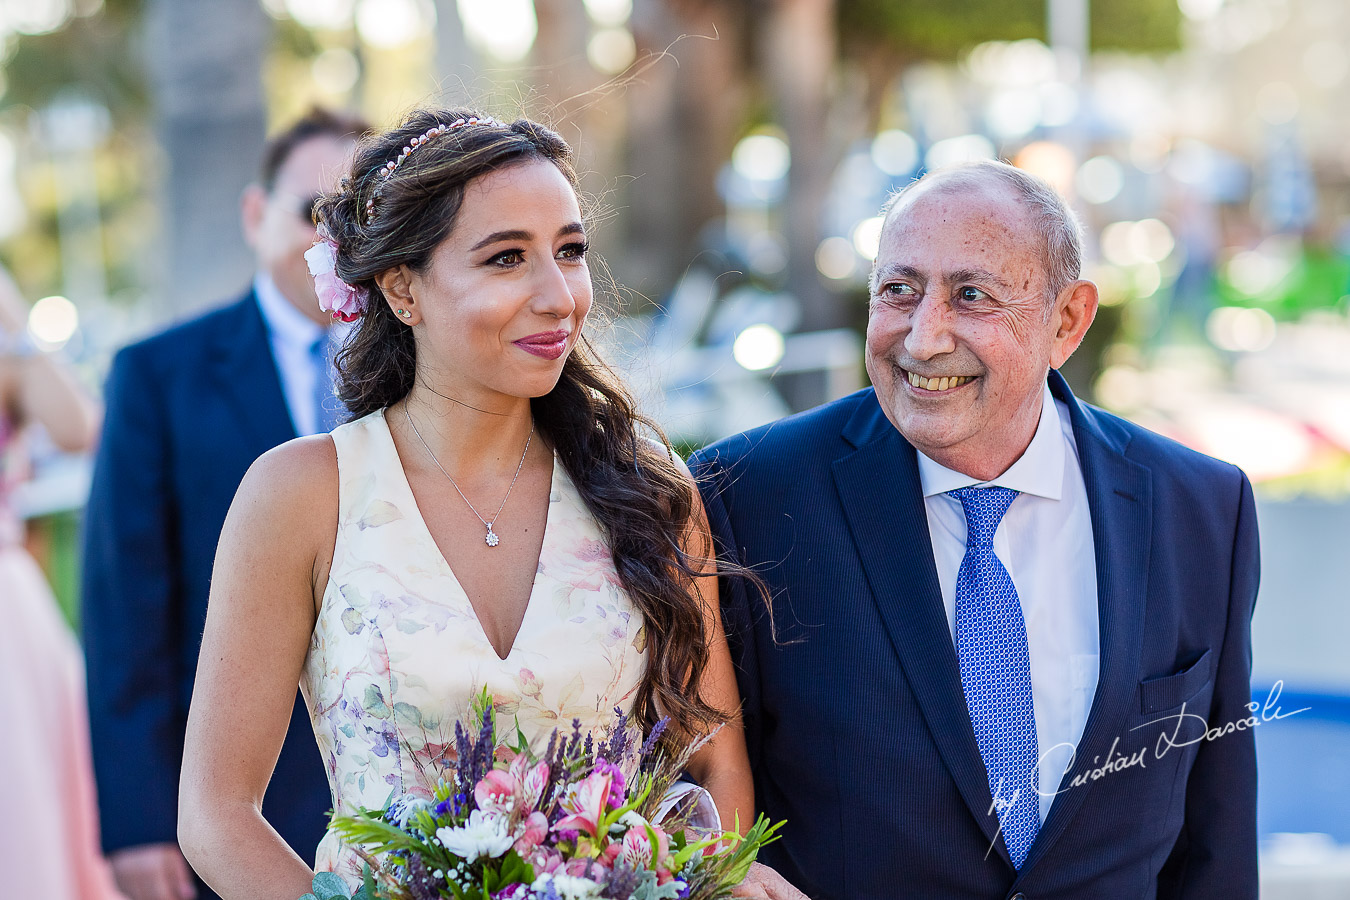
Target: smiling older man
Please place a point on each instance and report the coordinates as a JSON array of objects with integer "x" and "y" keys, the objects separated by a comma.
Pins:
[{"x": 1000, "y": 614}]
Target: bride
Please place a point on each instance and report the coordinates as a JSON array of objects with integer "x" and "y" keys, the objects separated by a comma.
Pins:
[{"x": 491, "y": 518}]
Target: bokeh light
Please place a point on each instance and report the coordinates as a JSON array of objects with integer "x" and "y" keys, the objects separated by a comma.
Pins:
[
  {"x": 1049, "y": 161},
  {"x": 52, "y": 322},
  {"x": 331, "y": 14},
  {"x": 758, "y": 347},
  {"x": 1200, "y": 10},
  {"x": 393, "y": 23},
  {"x": 1099, "y": 180},
  {"x": 336, "y": 70},
  {"x": 895, "y": 152},
  {"x": 609, "y": 13},
  {"x": 836, "y": 259},
  {"x": 504, "y": 29},
  {"x": 956, "y": 150},
  {"x": 1240, "y": 330},
  {"x": 611, "y": 50},
  {"x": 867, "y": 237},
  {"x": 34, "y": 16},
  {"x": 761, "y": 157}
]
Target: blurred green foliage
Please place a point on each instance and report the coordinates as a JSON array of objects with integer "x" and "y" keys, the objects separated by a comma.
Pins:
[
  {"x": 921, "y": 29},
  {"x": 100, "y": 53}
]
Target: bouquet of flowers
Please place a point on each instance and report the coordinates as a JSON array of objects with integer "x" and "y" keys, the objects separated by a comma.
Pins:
[{"x": 588, "y": 819}]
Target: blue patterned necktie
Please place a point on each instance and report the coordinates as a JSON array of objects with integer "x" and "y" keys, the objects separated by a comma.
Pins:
[
  {"x": 991, "y": 642},
  {"x": 327, "y": 407}
]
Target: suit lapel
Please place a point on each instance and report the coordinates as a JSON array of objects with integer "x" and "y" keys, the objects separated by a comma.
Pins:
[
  {"x": 1119, "y": 493},
  {"x": 882, "y": 499},
  {"x": 246, "y": 375}
]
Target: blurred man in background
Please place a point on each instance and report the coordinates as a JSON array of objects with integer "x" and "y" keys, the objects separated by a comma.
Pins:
[{"x": 189, "y": 410}]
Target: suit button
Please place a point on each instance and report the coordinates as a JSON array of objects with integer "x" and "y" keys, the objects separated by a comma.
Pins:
[{"x": 1018, "y": 896}]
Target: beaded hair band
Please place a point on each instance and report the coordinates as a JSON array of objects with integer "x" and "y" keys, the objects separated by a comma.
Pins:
[{"x": 390, "y": 167}]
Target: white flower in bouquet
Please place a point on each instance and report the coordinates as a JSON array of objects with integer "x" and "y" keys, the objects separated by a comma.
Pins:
[
  {"x": 484, "y": 835},
  {"x": 402, "y": 810},
  {"x": 567, "y": 887}
]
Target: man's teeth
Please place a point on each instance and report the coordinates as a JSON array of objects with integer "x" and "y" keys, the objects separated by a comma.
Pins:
[{"x": 945, "y": 383}]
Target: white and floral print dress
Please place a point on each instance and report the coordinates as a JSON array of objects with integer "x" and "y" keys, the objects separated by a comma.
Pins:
[{"x": 397, "y": 651}]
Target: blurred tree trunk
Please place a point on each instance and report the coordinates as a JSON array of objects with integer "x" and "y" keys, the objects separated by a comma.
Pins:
[
  {"x": 457, "y": 63},
  {"x": 797, "y": 52},
  {"x": 560, "y": 71},
  {"x": 205, "y": 65},
  {"x": 685, "y": 113}
]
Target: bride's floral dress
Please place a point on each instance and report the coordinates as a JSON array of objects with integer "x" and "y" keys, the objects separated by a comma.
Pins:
[{"x": 397, "y": 651}]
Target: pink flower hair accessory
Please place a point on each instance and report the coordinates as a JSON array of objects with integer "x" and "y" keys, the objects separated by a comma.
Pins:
[{"x": 345, "y": 302}]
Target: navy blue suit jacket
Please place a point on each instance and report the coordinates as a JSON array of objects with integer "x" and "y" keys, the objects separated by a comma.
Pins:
[
  {"x": 855, "y": 717},
  {"x": 189, "y": 410}
]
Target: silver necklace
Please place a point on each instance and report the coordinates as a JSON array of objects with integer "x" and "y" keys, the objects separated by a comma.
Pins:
[{"x": 491, "y": 539}]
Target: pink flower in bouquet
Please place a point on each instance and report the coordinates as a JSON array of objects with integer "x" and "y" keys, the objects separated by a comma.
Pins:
[
  {"x": 335, "y": 295},
  {"x": 590, "y": 869},
  {"x": 637, "y": 847},
  {"x": 586, "y": 801},
  {"x": 533, "y": 780},
  {"x": 498, "y": 792},
  {"x": 536, "y": 829},
  {"x": 545, "y": 860}
]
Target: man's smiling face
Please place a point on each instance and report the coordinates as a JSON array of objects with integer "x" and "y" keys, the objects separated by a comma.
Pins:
[{"x": 961, "y": 331}]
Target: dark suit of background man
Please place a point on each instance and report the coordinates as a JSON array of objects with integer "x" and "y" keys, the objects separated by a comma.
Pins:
[
  {"x": 188, "y": 411},
  {"x": 976, "y": 575}
]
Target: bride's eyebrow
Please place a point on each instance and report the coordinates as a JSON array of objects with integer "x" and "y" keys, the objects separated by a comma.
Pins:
[
  {"x": 521, "y": 235},
  {"x": 498, "y": 236}
]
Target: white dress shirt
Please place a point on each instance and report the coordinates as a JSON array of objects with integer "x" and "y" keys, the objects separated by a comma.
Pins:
[
  {"x": 1045, "y": 543},
  {"x": 291, "y": 334}
]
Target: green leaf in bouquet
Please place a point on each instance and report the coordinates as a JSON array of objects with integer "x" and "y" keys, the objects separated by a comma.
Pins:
[
  {"x": 367, "y": 889},
  {"x": 648, "y": 889},
  {"x": 737, "y": 861},
  {"x": 327, "y": 886},
  {"x": 368, "y": 829},
  {"x": 511, "y": 870}
]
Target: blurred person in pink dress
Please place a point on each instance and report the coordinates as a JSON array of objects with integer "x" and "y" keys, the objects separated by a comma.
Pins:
[{"x": 49, "y": 845}]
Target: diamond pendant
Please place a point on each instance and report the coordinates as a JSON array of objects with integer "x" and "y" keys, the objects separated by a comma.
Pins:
[{"x": 491, "y": 540}]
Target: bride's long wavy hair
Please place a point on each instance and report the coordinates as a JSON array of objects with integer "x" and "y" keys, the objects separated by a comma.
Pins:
[{"x": 635, "y": 490}]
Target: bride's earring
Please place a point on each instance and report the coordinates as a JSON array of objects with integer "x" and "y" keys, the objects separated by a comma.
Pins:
[{"x": 405, "y": 313}]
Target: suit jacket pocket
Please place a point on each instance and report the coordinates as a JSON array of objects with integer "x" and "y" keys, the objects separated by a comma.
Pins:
[{"x": 1167, "y": 691}]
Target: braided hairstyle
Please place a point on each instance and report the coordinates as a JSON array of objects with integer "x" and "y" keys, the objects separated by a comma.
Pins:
[{"x": 634, "y": 489}]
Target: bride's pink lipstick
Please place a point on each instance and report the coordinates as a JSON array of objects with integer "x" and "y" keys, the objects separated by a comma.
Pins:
[{"x": 546, "y": 344}]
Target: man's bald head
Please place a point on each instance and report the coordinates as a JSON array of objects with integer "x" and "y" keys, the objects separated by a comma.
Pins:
[{"x": 1059, "y": 230}]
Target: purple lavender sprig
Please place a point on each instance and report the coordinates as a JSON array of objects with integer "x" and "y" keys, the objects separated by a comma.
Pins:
[
  {"x": 623, "y": 881},
  {"x": 646, "y": 755},
  {"x": 618, "y": 745},
  {"x": 485, "y": 747}
]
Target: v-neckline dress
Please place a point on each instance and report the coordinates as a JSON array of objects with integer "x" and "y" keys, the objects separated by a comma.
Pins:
[{"x": 397, "y": 650}]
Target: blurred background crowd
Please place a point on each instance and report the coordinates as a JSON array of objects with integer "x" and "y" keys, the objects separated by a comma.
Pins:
[{"x": 736, "y": 153}]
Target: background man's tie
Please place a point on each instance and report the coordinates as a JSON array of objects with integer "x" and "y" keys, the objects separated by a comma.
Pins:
[
  {"x": 327, "y": 407},
  {"x": 991, "y": 642}
]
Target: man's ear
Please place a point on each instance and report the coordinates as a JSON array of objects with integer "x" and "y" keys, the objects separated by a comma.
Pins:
[
  {"x": 252, "y": 208},
  {"x": 396, "y": 285},
  {"x": 1075, "y": 308}
]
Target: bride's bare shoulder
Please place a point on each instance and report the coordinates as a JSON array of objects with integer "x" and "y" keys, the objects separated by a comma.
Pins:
[{"x": 291, "y": 486}]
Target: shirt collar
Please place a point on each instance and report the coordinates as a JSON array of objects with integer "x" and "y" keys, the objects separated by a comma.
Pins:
[
  {"x": 284, "y": 321},
  {"x": 1039, "y": 470}
]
